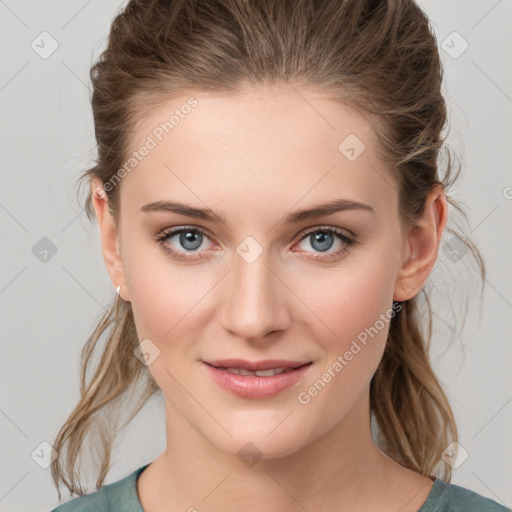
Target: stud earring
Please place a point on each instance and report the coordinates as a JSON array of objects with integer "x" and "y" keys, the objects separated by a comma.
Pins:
[{"x": 118, "y": 289}]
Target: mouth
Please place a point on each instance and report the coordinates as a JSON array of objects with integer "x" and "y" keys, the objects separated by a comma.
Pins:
[
  {"x": 258, "y": 373},
  {"x": 266, "y": 368},
  {"x": 263, "y": 380}
]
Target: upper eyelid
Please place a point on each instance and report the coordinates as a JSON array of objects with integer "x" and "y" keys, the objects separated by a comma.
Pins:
[
  {"x": 328, "y": 228},
  {"x": 177, "y": 229}
]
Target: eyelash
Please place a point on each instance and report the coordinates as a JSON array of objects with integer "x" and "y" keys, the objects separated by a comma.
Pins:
[{"x": 160, "y": 239}]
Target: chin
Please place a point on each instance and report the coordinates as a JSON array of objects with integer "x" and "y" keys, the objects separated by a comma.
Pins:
[{"x": 260, "y": 443}]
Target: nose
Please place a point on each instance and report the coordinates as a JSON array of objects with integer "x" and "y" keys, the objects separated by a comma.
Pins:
[{"x": 255, "y": 301}]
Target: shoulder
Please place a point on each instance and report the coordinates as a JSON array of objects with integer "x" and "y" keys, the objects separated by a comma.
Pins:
[
  {"x": 446, "y": 497},
  {"x": 86, "y": 503},
  {"x": 119, "y": 495}
]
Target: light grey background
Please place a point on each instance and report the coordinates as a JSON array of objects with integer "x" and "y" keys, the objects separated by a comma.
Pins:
[{"x": 50, "y": 308}]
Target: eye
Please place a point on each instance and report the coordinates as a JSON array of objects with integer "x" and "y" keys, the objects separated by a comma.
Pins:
[
  {"x": 322, "y": 239},
  {"x": 188, "y": 239},
  {"x": 189, "y": 244}
]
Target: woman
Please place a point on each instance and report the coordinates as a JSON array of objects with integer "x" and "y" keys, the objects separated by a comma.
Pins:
[{"x": 270, "y": 208}]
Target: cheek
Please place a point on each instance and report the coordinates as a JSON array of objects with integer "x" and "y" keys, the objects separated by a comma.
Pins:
[
  {"x": 165, "y": 296},
  {"x": 167, "y": 302},
  {"x": 172, "y": 307},
  {"x": 351, "y": 314},
  {"x": 359, "y": 315},
  {"x": 352, "y": 297}
]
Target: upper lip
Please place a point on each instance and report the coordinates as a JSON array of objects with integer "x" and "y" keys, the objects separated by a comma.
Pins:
[{"x": 256, "y": 365}]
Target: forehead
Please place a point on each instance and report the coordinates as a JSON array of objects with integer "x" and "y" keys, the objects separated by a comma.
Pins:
[{"x": 280, "y": 143}]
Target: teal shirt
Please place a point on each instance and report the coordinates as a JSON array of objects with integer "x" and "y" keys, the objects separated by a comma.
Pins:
[{"x": 121, "y": 496}]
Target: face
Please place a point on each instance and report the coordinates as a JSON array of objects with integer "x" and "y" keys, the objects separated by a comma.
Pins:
[{"x": 260, "y": 282}]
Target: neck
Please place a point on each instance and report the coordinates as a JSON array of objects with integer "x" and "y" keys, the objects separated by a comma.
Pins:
[{"x": 340, "y": 470}]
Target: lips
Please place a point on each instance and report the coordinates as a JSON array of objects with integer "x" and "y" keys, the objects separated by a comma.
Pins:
[{"x": 263, "y": 379}]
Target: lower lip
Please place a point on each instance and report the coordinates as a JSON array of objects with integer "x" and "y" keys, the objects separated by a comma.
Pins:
[{"x": 252, "y": 386}]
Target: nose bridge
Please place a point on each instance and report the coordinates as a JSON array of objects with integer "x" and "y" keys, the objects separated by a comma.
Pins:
[{"x": 255, "y": 299}]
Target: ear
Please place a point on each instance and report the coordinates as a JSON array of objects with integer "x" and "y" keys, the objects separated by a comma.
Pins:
[
  {"x": 422, "y": 245},
  {"x": 109, "y": 237}
]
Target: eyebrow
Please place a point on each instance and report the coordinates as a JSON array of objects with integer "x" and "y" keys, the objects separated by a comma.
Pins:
[{"x": 314, "y": 212}]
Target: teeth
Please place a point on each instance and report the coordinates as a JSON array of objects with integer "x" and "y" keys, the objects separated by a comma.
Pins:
[
  {"x": 269, "y": 373},
  {"x": 258, "y": 373}
]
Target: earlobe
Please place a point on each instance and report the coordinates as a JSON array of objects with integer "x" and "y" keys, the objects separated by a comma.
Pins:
[
  {"x": 423, "y": 242},
  {"x": 109, "y": 237}
]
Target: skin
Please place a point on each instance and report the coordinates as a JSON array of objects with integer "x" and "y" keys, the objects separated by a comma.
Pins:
[{"x": 256, "y": 157}]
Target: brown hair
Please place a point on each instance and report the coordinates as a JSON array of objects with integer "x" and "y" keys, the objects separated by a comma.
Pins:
[{"x": 379, "y": 57}]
